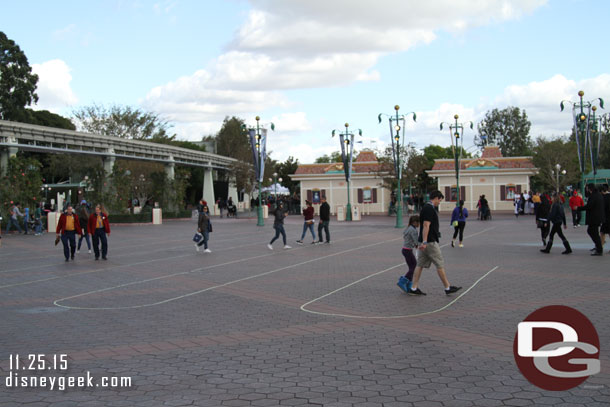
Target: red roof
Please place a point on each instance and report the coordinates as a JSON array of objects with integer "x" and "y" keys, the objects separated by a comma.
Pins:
[
  {"x": 366, "y": 162},
  {"x": 501, "y": 163},
  {"x": 366, "y": 156}
]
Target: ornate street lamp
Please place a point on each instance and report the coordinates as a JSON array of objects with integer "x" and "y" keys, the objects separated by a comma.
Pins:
[
  {"x": 275, "y": 180},
  {"x": 456, "y": 132},
  {"x": 258, "y": 142},
  {"x": 347, "y": 152},
  {"x": 582, "y": 126},
  {"x": 397, "y": 123},
  {"x": 558, "y": 171}
]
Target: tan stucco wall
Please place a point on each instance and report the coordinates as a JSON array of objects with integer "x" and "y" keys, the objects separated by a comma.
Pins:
[
  {"x": 336, "y": 193},
  {"x": 478, "y": 184}
]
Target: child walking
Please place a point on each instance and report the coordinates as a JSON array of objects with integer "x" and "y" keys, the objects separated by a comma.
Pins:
[{"x": 410, "y": 237}]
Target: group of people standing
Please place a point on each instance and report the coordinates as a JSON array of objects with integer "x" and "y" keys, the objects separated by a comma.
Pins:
[{"x": 95, "y": 224}]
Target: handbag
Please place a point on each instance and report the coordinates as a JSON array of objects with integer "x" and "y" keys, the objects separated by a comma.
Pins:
[
  {"x": 197, "y": 238},
  {"x": 210, "y": 228},
  {"x": 455, "y": 223}
]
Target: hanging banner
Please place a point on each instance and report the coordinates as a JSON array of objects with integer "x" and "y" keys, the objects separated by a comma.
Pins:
[
  {"x": 579, "y": 142},
  {"x": 252, "y": 135},
  {"x": 348, "y": 168},
  {"x": 263, "y": 158}
]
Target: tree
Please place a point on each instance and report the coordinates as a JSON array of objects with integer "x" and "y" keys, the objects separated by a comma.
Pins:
[
  {"x": 435, "y": 152},
  {"x": 509, "y": 129},
  {"x": 124, "y": 122},
  {"x": 22, "y": 183},
  {"x": 549, "y": 153},
  {"x": 43, "y": 118},
  {"x": 334, "y": 157},
  {"x": 232, "y": 141},
  {"x": 286, "y": 168},
  {"x": 17, "y": 82}
]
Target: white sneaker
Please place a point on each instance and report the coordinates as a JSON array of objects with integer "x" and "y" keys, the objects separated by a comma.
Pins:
[
  {"x": 207, "y": 251},
  {"x": 78, "y": 251},
  {"x": 287, "y": 247},
  {"x": 89, "y": 251},
  {"x": 269, "y": 246},
  {"x": 197, "y": 247}
]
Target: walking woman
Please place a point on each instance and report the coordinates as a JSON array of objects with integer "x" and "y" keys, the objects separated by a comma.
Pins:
[
  {"x": 308, "y": 224},
  {"x": 278, "y": 225},
  {"x": 203, "y": 225},
  {"x": 83, "y": 218},
  {"x": 558, "y": 218},
  {"x": 409, "y": 245},
  {"x": 99, "y": 229},
  {"x": 542, "y": 217},
  {"x": 458, "y": 221}
]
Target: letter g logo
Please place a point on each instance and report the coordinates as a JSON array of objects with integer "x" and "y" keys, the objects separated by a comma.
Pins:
[{"x": 553, "y": 345}]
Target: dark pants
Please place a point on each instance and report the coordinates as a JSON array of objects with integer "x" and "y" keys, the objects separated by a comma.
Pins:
[
  {"x": 85, "y": 236},
  {"x": 279, "y": 229},
  {"x": 459, "y": 229},
  {"x": 545, "y": 228},
  {"x": 411, "y": 262},
  {"x": 593, "y": 232},
  {"x": 576, "y": 215},
  {"x": 13, "y": 222},
  {"x": 556, "y": 229},
  {"x": 204, "y": 241},
  {"x": 324, "y": 225},
  {"x": 69, "y": 236},
  {"x": 100, "y": 235}
]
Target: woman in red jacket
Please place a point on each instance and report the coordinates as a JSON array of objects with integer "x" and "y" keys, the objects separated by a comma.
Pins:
[
  {"x": 67, "y": 227},
  {"x": 98, "y": 228},
  {"x": 308, "y": 224}
]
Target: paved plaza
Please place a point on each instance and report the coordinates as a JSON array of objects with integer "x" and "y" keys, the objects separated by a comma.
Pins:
[{"x": 321, "y": 325}]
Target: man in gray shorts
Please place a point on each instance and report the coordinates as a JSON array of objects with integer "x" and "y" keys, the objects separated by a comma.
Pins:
[{"x": 430, "y": 250}]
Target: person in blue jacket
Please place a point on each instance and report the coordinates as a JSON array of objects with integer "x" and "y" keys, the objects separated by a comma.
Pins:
[{"x": 458, "y": 221}]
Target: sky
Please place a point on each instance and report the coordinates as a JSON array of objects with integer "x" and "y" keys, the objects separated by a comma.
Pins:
[{"x": 311, "y": 66}]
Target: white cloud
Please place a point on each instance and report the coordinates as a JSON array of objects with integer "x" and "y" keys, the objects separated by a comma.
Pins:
[
  {"x": 286, "y": 45},
  {"x": 54, "y": 91}
]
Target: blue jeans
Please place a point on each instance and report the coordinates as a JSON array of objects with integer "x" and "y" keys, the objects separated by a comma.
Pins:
[
  {"x": 13, "y": 222},
  {"x": 38, "y": 227},
  {"x": 204, "y": 241},
  {"x": 310, "y": 227},
  {"x": 100, "y": 235},
  {"x": 279, "y": 229},
  {"x": 69, "y": 238},
  {"x": 85, "y": 236}
]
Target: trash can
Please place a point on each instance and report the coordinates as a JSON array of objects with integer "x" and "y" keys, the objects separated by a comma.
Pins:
[
  {"x": 265, "y": 211},
  {"x": 340, "y": 213},
  {"x": 157, "y": 216},
  {"x": 355, "y": 213}
]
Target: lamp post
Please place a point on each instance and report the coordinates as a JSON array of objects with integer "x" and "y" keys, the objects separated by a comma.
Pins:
[
  {"x": 275, "y": 180},
  {"x": 258, "y": 142},
  {"x": 582, "y": 126},
  {"x": 395, "y": 126},
  {"x": 558, "y": 171},
  {"x": 456, "y": 131},
  {"x": 347, "y": 153}
]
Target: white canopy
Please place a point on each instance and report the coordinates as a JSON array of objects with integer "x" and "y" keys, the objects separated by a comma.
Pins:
[{"x": 280, "y": 189}]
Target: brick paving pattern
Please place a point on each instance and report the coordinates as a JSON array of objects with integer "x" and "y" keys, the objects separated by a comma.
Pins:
[{"x": 245, "y": 326}]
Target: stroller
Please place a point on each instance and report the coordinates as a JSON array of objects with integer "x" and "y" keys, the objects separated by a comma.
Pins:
[{"x": 231, "y": 211}]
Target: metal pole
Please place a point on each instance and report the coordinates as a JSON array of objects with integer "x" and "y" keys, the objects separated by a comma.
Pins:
[
  {"x": 399, "y": 223},
  {"x": 260, "y": 221},
  {"x": 457, "y": 162}
]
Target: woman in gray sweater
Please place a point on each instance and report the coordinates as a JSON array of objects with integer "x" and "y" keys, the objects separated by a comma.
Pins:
[{"x": 410, "y": 242}]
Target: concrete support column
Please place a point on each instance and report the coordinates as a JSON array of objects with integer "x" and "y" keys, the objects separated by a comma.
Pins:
[
  {"x": 108, "y": 164},
  {"x": 170, "y": 169},
  {"x": 208, "y": 189},
  {"x": 6, "y": 153}
]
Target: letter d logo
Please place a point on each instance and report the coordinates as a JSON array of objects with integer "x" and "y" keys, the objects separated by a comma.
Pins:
[{"x": 556, "y": 348}]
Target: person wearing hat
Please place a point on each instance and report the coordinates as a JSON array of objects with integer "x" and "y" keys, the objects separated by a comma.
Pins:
[{"x": 83, "y": 217}]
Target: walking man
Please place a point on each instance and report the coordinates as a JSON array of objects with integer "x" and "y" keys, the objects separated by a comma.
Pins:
[
  {"x": 430, "y": 251},
  {"x": 67, "y": 228},
  {"x": 278, "y": 225},
  {"x": 324, "y": 220},
  {"x": 575, "y": 202},
  {"x": 13, "y": 220},
  {"x": 605, "y": 229},
  {"x": 595, "y": 217}
]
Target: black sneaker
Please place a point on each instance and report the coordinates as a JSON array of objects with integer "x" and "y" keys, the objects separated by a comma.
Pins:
[
  {"x": 452, "y": 289},
  {"x": 299, "y": 242},
  {"x": 104, "y": 258},
  {"x": 417, "y": 291},
  {"x": 597, "y": 254}
]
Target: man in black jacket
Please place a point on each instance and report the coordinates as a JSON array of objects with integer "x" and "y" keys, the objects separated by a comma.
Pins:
[
  {"x": 324, "y": 220},
  {"x": 595, "y": 217}
]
